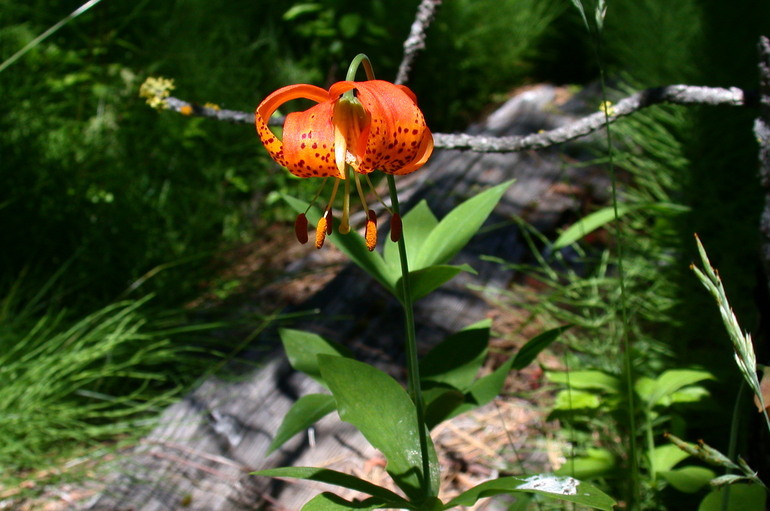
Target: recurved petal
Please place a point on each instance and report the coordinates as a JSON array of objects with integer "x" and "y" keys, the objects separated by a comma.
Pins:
[
  {"x": 270, "y": 104},
  {"x": 399, "y": 141},
  {"x": 308, "y": 142}
]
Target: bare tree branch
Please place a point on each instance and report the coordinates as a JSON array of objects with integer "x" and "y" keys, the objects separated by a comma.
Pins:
[
  {"x": 416, "y": 40},
  {"x": 762, "y": 133},
  {"x": 673, "y": 94}
]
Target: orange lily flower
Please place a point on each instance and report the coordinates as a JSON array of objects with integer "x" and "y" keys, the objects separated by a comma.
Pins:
[{"x": 364, "y": 125}]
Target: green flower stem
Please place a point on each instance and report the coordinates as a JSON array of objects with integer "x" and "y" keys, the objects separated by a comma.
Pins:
[
  {"x": 353, "y": 68},
  {"x": 413, "y": 369}
]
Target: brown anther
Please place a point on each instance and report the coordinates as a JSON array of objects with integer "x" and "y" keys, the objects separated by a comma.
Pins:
[
  {"x": 370, "y": 234},
  {"x": 395, "y": 227},
  {"x": 300, "y": 228},
  {"x": 320, "y": 232},
  {"x": 329, "y": 221}
]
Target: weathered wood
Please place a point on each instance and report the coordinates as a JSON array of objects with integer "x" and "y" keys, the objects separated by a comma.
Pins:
[{"x": 200, "y": 455}]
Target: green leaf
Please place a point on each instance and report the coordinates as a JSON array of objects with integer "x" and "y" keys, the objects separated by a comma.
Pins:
[
  {"x": 441, "y": 403},
  {"x": 595, "y": 463},
  {"x": 383, "y": 412},
  {"x": 300, "y": 9},
  {"x": 324, "y": 475},
  {"x": 597, "y": 380},
  {"x": 417, "y": 224},
  {"x": 487, "y": 388},
  {"x": 330, "y": 502},
  {"x": 353, "y": 245},
  {"x": 576, "y": 400},
  {"x": 670, "y": 382},
  {"x": 349, "y": 24},
  {"x": 423, "y": 282},
  {"x": 688, "y": 479},
  {"x": 667, "y": 456},
  {"x": 302, "y": 348},
  {"x": 458, "y": 227},
  {"x": 597, "y": 219},
  {"x": 742, "y": 497},
  {"x": 534, "y": 346},
  {"x": 588, "y": 224},
  {"x": 456, "y": 361},
  {"x": 555, "y": 487},
  {"x": 303, "y": 414}
]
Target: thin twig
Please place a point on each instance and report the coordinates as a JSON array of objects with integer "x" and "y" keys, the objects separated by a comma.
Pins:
[
  {"x": 673, "y": 94},
  {"x": 416, "y": 40}
]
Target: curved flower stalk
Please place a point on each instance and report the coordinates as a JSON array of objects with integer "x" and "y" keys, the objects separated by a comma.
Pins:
[{"x": 358, "y": 126}]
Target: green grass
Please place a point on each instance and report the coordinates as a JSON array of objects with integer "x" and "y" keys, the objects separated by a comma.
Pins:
[{"x": 70, "y": 384}]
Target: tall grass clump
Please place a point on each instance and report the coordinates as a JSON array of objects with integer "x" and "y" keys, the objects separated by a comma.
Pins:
[{"x": 70, "y": 384}]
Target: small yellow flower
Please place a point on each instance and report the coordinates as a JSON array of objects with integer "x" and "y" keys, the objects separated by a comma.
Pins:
[
  {"x": 156, "y": 90},
  {"x": 606, "y": 108}
]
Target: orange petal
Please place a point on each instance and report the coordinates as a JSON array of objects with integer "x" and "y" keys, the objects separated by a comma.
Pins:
[
  {"x": 271, "y": 103},
  {"x": 308, "y": 142},
  {"x": 399, "y": 141}
]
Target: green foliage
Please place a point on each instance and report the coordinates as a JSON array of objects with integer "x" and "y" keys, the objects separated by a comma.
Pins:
[{"x": 68, "y": 384}]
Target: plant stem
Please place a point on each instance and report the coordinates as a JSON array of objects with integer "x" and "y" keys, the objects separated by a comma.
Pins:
[
  {"x": 353, "y": 68},
  {"x": 412, "y": 363}
]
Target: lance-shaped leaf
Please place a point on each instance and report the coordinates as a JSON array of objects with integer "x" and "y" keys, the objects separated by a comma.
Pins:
[
  {"x": 457, "y": 228},
  {"x": 325, "y": 475},
  {"x": 427, "y": 280},
  {"x": 555, "y": 487},
  {"x": 304, "y": 413},
  {"x": 330, "y": 502},
  {"x": 302, "y": 348},
  {"x": 456, "y": 360},
  {"x": 534, "y": 346},
  {"x": 383, "y": 412}
]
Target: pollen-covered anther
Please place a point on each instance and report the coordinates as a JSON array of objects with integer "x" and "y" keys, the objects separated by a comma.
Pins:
[
  {"x": 370, "y": 234},
  {"x": 300, "y": 228},
  {"x": 321, "y": 230},
  {"x": 395, "y": 227}
]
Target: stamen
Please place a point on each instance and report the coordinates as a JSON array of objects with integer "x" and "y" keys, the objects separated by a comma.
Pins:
[
  {"x": 370, "y": 234},
  {"x": 345, "y": 223},
  {"x": 321, "y": 230},
  {"x": 395, "y": 227},
  {"x": 329, "y": 222},
  {"x": 361, "y": 192},
  {"x": 300, "y": 228}
]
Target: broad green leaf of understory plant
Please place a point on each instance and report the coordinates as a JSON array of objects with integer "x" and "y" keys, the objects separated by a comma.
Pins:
[
  {"x": 743, "y": 497},
  {"x": 457, "y": 228},
  {"x": 594, "y": 463},
  {"x": 383, "y": 412},
  {"x": 589, "y": 379},
  {"x": 554, "y": 487},
  {"x": 688, "y": 479},
  {"x": 302, "y": 349},
  {"x": 653, "y": 391},
  {"x": 304, "y": 413},
  {"x": 324, "y": 475}
]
